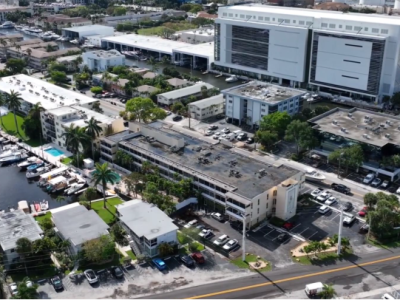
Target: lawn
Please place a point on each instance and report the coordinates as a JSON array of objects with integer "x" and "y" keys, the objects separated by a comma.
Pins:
[
  {"x": 34, "y": 274},
  {"x": 66, "y": 160},
  {"x": 182, "y": 238},
  {"x": 176, "y": 26},
  {"x": 250, "y": 258},
  {"x": 384, "y": 245},
  {"x": 116, "y": 260},
  {"x": 108, "y": 215},
  {"x": 131, "y": 255},
  {"x": 9, "y": 127},
  {"x": 199, "y": 247},
  {"x": 41, "y": 218},
  {"x": 320, "y": 258}
]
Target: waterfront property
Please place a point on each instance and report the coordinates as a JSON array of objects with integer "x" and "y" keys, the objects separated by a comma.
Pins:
[
  {"x": 69, "y": 62},
  {"x": 178, "y": 83},
  {"x": 232, "y": 183},
  {"x": 352, "y": 55},
  {"x": 250, "y": 102},
  {"x": 206, "y": 108},
  {"x": 78, "y": 225},
  {"x": 81, "y": 32},
  {"x": 101, "y": 60},
  {"x": 182, "y": 94},
  {"x": 13, "y": 226},
  {"x": 59, "y": 21},
  {"x": 375, "y": 131},
  {"x": 147, "y": 226}
]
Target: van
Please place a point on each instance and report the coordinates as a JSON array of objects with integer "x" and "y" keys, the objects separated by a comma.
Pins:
[
  {"x": 387, "y": 297},
  {"x": 313, "y": 289},
  {"x": 231, "y": 137}
]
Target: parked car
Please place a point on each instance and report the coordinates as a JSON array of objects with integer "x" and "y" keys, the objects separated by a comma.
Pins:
[
  {"x": 368, "y": 179},
  {"x": 159, "y": 263},
  {"x": 324, "y": 209},
  {"x": 316, "y": 192},
  {"x": 91, "y": 276},
  {"x": 177, "y": 118},
  {"x": 376, "y": 182},
  {"x": 13, "y": 288},
  {"x": 56, "y": 283},
  {"x": 198, "y": 257},
  {"x": 215, "y": 137},
  {"x": 206, "y": 233},
  {"x": 187, "y": 261},
  {"x": 288, "y": 225},
  {"x": 190, "y": 224},
  {"x": 250, "y": 141},
  {"x": 218, "y": 216},
  {"x": 230, "y": 245},
  {"x": 364, "y": 228},
  {"x": 282, "y": 237},
  {"x": 347, "y": 206},
  {"x": 331, "y": 200},
  {"x": 212, "y": 127},
  {"x": 242, "y": 137},
  {"x": 226, "y": 130},
  {"x": 117, "y": 272},
  {"x": 349, "y": 219},
  {"x": 200, "y": 227},
  {"x": 323, "y": 196},
  {"x": 363, "y": 212},
  {"x": 385, "y": 184},
  {"x": 209, "y": 132},
  {"x": 340, "y": 188},
  {"x": 221, "y": 240}
]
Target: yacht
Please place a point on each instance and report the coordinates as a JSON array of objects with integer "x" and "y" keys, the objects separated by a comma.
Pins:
[
  {"x": 33, "y": 31},
  {"x": 87, "y": 45},
  {"x": 46, "y": 36},
  {"x": 18, "y": 27},
  {"x": 55, "y": 36},
  {"x": 74, "y": 188},
  {"x": 37, "y": 172},
  {"x": 17, "y": 157},
  {"x": 30, "y": 161},
  {"x": 44, "y": 205},
  {"x": 7, "y": 25},
  {"x": 57, "y": 184},
  {"x": 76, "y": 42},
  {"x": 233, "y": 78},
  {"x": 36, "y": 165},
  {"x": 313, "y": 175},
  {"x": 11, "y": 151}
]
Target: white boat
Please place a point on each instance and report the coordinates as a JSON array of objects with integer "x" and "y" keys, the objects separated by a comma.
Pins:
[
  {"x": 10, "y": 152},
  {"x": 46, "y": 36},
  {"x": 57, "y": 184},
  {"x": 233, "y": 78},
  {"x": 37, "y": 172},
  {"x": 18, "y": 27},
  {"x": 17, "y": 157},
  {"x": 313, "y": 175},
  {"x": 30, "y": 161},
  {"x": 55, "y": 36},
  {"x": 7, "y": 25},
  {"x": 87, "y": 45},
  {"x": 74, "y": 188},
  {"x": 44, "y": 205},
  {"x": 74, "y": 42}
]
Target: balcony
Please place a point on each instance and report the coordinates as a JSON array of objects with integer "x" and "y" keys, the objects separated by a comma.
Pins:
[
  {"x": 50, "y": 127},
  {"x": 50, "y": 133},
  {"x": 49, "y": 121}
]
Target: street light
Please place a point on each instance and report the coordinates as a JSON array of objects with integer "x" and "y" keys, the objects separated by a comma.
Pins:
[
  {"x": 340, "y": 159},
  {"x": 340, "y": 228},
  {"x": 244, "y": 237}
]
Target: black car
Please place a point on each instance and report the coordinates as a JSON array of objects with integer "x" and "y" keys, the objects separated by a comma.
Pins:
[
  {"x": 187, "y": 261},
  {"x": 57, "y": 283},
  {"x": 347, "y": 206},
  {"x": 177, "y": 118},
  {"x": 117, "y": 272},
  {"x": 282, "y": 237},
  {"x": 250, "y": 141},
  {"x": 340, "y": 188}
]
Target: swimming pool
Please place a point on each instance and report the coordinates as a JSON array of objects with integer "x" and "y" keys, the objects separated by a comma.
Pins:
[{"x": 54, "y": 152}]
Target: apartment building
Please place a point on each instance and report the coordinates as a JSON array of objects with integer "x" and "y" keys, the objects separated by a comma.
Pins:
[
  {"x": 51, "y": 7},
  {"x": 249, "y": 103},
  {"x": 207, "y": 108},
  {"x": 100, "y": 60},
  {"x": 233, "y": 183},
  {"x": 61, "y": 21},
  {"x": 171, "y": 97},
  {"x": 352, "y": 55},
  {"x": 10, "y": 8}
]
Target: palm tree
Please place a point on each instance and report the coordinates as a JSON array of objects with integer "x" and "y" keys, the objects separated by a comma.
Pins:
[
  {"x": 154, "y": 64},
  {"x": 18, "y": 48},
  {"x": 36, "y": 110},
  {"x": 103, "y": 175},
  {"x": 93, "y": 130},
  {"x": 4, "y": 43},
  {"x": 13, "y": 101},
  {"x": 75, "y": 137},
  {"x": 327, "y": 292},
  {"x": 2, "y": 103},
  {"x": 29, "y": 52},
  {"x": 77, "y": 61}
]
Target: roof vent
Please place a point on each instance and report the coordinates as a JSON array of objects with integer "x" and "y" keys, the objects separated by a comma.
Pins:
[
  {"x": 387, "y": 135},
  {"x": 388, "y": 122},
  {"x": 334, "y": 122},
  {"x": 350, "y": 115}
]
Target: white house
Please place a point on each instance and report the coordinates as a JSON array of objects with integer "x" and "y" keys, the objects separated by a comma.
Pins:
[
  {"x": 171, "y": 97},
  {"x": 207, "y": 108},
  {"x": 100, "y": 60},
  {"x": 78, "y": 225},
  {"x": 147, "y": 225}
]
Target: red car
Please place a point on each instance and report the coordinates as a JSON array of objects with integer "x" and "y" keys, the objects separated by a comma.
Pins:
[
  {"x": 288, "y": 225},
  {"x": 363, "y": 212},
  {"x": 198, "y": 257}
]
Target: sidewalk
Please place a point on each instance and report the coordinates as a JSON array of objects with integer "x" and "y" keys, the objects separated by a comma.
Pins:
[{"x": 376, "y": 294}]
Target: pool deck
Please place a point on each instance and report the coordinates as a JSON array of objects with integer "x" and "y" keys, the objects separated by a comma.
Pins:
[{"x": 40, "y": 152}]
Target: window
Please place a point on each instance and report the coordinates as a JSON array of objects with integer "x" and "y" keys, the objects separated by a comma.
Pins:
[
  {"x": 287, "y": 21},
  {"x": 357, "y": 28},
  {"x": 340, "y": 26},
  {"x": 275, "y": 193},
  {"x": 260, "y": 18},
  {"x": 230, "y": 101},
  {"x": 273, "y": 19},
  {"x": 248, "y": 17},
  {"x": 365, "y": 28},
  {"x": 280, "y": 20},
  {"x": 332, "y": 26},
  {"x": 375, "y": 30},
  {"x": 267, "y": 196},
  {"x": 384, "y": 31},
  {"x": 236, "y": 15},
  {"x": 263, "y": 110},
  {"x": 224, "y": 14},
  {"x": 258, "y": 210},
  {"x": 267, "y": 206},
  {"x": 267, "y": 19},
  {"x": 242, "y": 16},
  {"x": 308, "y": 23},
  {"x": 301, "y": 22},
  {"x": 349, "y": 27},
  {"x": 294, "y": 21},
  {"x": 231, "y": 15},
  {"x": 274, "y": 201},
  {"x": 324, "y": 25},
  {"x": 12, "y": 250},
  {"x": 258, "y": 201}
]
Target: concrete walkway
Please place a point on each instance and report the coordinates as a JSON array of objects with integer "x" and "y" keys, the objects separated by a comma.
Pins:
[{"x": 376, "y": 294}]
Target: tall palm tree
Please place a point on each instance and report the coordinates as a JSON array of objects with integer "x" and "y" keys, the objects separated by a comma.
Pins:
[
  {"x": 4, "y": 43},
  {"x": 2, "y": 103},
  {"x": 18, "y": 48},
  {"x": 93, "y": 130},
  {"x": 13, "y": 101},
  {"x": 29, "y": 52},
  {"x": 75, "y": 137},
  {"x": 35, "y": 111},
  {"x": 103, "y": 175}
]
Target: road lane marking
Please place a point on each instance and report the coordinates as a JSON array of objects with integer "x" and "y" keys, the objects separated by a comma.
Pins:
[{"x": 294, "y": 278}]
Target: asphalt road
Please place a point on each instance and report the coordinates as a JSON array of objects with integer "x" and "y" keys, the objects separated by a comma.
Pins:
[{"x": 276, "y": 283}]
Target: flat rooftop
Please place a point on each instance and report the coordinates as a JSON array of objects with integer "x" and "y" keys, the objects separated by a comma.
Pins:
[
  {"x": 15, "y": 225},
  {"x": 81, "y": 29},
  {"x": 145, "y": 219},
  {"x": 262, "y": 91},
  {"x": 360, "y": 125},
  {"x": 221, "y": 161},
  {"x": 34, "y": 90},
  {"x": 186, "y": 91},
  {"x": 104, "y": 53},
  {"x": 200, "y": 50}
]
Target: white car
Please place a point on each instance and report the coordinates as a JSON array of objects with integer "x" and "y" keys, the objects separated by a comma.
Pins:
[
  {"x": 316, "y": 192},
  {"x": 398, "y": 191},
  {"x": 368, "y": 179},
  {"x": 323, "y": 209},
  {"x": 349, "y": 219},
  {"x": 91, "y": 276},
  {"x": 323, "y": 196},
  {"x": 330, "y": 201},
  {"x": 226, "y": 130},
  {"x": 13, "y": 288},
  {"x": 208, "y": 133},
  {"x": 205, "y": 233},
  {"x": 215, "y": 137},
  {"x": 221, "y": 240},
  {"x": 190, "y": 224},
  {"x": 230, "y": 245},
  {"x": 217, "y": 216}
]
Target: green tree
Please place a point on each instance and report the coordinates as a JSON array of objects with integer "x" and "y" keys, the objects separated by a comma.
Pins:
[
  {"x": 4, "y": 44},
  {"x": 165, "y": 249},
  {"x": 58, "y": 77},
  {"x": 301, "y": 134},
  {"x": 103, "y": 175},
  {"x": 266, "y": 138},
  {"x": 132, "y": 180},
  {"x": 119, "y": 235},
  {"x": 119, "y": 11},
  {"x": 328, "y": 292},
  {"x": 319, "y": 110},
  {"x": 89, "y": 195},
  {"x": 32, "y": 124},
  {"x": 395, "y": 98},
  {"x": 351, "y": 157},
  {"x": 26, "y": 292},
  {"x": 99, "y": 250},
  {"x": 75, "y": 138},
  {"x": 177, "y": 107},
  {"x": 46, "y": 224},
  {"x": 154, "y": 64},
  {"x": 93, "y": 130},
  {"x": 13, "y": 101},
  {"x": 15, "y": 65},
  {"x": 96, "y": 89},
  {"x": 196, "y": 8},
  {"x": 96, "y": 107},
  {"x": 2, "y": 103},
  {"x": 23, "y": 246},
  {"x": 166, "y": 32},
  {"x": 144, "y": 109},
  {"x": 276, "y": 122},
  {"x": 370, "y": 199}
]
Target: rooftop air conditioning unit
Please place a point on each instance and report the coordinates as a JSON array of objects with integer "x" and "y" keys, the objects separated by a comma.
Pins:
[
  {"x": 350, "y": 115},
  {"x": 334, "y": 122},
  {"x": 382, "y": 125},
  {"x": 387, "y": 135}
]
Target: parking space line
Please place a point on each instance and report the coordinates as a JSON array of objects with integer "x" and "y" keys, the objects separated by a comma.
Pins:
[
  {"x": 269, "y": 232},
  {"x": 335, "y": 217},
  {"x": 312, "y": 235},
  {"x": 295, "y": 227},
  {"x": 303, "y": 231}
]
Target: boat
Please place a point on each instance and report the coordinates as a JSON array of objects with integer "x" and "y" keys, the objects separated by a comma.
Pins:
[
  {"x": 37, "y": 206},
  {"x": 23, "y": 205},
  {"x": 44, "y": 205},
  {"x": 313, "y": 175},
  {"x": 131, "y": 54},
  {"x": 7, "y": 25},
  {"x": 10, "y": 151},
  {"x": 29, "y": 161},
  {"x": 37, "y": 172},
  {"x": 44, "y": 178},
  {"x": 74, "y": 188},
  {"x": 74, "y": 42},
  {"x": 232, "y": 78},
  {"x": 46, "y": 36},
  {"x": 18, "y": 27},
  {"x": 57, "y": 184},
  {"x": 36, "y": 165},
  {"x": 17, "y": 157}
]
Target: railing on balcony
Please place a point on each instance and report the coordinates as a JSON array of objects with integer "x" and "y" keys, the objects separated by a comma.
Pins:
[
  {"x": 49, "y": 121},
  {"x": 50, "y": 127},
  {"x": 50, "y": 133}
]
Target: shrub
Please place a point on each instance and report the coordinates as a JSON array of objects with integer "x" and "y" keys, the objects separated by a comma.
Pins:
[{"x": 277, "y": 222}]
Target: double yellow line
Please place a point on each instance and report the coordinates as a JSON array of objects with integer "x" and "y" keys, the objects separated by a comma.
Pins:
[{"x": 249, "y": 287}]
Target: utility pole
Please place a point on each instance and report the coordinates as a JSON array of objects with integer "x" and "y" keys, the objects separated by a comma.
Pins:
[
  {"x": 340, "y": 230},
  {"x": 369, "y": 229},
  {"x": 244, "y": 238}
]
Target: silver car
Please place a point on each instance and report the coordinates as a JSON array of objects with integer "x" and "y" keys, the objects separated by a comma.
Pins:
[{"x": 91, "y": 276}]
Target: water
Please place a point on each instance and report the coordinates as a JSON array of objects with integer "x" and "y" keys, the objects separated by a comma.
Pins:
[{"x": 54, "y": 152}]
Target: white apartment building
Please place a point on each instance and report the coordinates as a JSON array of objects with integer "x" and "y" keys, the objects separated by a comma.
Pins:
[
  {"x": 147, "y": 226},
  {"x": 354, "y": 55},
  {"x": 100, "y": 60},
  {"x": 233, "y": 183},
  {"x": 171, "y": 97},
  {"x": 206, "y": 108},
  {"x": 197, "y": 36},
  {"x": 55, "y": 121},
  {"x": 249, "y": 103}
]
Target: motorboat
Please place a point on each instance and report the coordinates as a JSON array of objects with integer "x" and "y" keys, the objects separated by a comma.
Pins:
[
  {"x": 37, "y": 172},
  {"x": 57, "y": 184},
  {"x": 74, "y": 42},
  {"x": 17, "y": 157},
  {"x": 74, "y": 188},
  {"x": 44, "y": 205},
  {"x": 29, "y": 161},
  {"x": 37, "y": 206},
  {"x": 55, "y": 36},
  {"x": 232, "y": 78},
  {"x": 7, "y": 25},
  {"x": 131, "y": 54},
  {"x": 44, "y": 178},
  {"x": 87, "y": 45},
  {"x": 18, "y": 27},
  {"x": 313, "y": 175},
  {"x": 47, "y": 35},
  {"x": 10, "y": 151},
  {"x": 36, "y": 165}
]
